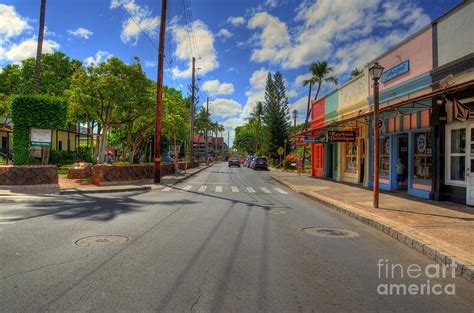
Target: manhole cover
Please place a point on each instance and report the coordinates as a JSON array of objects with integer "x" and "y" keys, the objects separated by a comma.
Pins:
[
  {"x": 102, "y": 240},
  {"x": 330, "y": 232}
]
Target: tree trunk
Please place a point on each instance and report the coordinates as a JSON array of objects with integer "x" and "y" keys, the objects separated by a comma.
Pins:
[
  {"x": 39, "y": 49},
  {"x": 306, "y": 123},
  {"x": 103, "y": 143}
]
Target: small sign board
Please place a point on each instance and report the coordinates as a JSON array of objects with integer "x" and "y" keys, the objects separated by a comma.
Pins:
[
  {"x": 280, "y": 151},
  {"x": 320, "y": 139},
  {"x": 395, "y": 71},
  {"x": 40, "y": 137},
  {"x": 341, "y": 136}
]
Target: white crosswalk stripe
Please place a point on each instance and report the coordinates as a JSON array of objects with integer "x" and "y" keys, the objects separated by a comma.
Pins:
[
  {"x": 167, "y": 189},
  {"x": 281, "y": 191},
  {"x": 187, "y": 187},
  {"x": 265, "y": 190},
  {"x": 250, "y": 190},
  {"x": 6, "y": 223},
  {"x": 234, "y": 189},
  {"x": 218, "y": 188},
  {"x": 202, "y": 188}
]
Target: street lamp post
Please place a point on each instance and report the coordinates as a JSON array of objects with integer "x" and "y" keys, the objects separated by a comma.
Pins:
[{"x": 376, "y": 71}]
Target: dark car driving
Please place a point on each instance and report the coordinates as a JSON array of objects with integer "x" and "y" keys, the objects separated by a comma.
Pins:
[
  {"x": 234, "y": 162},
  {"x": 259, "y": 163}
]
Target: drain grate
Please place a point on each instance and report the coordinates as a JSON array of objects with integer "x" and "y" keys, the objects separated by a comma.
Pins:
[
  {"x": 330, "y": 232},
  {"x": 102, "y": 240}
]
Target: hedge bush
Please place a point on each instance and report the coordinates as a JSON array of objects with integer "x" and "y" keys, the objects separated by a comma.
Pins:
[
  {"x": 63, "y": 157},
  {"x": 34, "y": 111}
]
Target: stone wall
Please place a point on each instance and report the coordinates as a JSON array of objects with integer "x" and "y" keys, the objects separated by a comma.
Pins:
[
  {"x": 80, "y": 171},
  {"x": 113, "y": 174},
  {"x": 21, "y": 175}
]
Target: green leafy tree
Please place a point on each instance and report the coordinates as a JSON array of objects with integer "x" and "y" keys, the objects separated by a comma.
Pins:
[
  {"x": 257, "y": 115},
  {"x": 276, "y": 113},
  {"x": 245, "y": 140},
  {"x": 113, "y": 92}
]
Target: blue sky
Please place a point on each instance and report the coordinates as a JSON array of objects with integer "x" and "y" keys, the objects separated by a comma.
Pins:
[{"x": 237, "y": 41}]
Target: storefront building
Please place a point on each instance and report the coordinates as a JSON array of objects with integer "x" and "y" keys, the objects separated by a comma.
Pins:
[
  {"x": 317, "y": 149},
  {"x": 405, "y": 143},
  {"x": 352, "y": 156},
  {"x": 453, "y": 108}
]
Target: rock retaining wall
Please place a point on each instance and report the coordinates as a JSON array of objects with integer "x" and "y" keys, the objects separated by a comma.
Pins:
[
  {"x": 21, "y": 175},
  {"x": 112, "y": 174}
]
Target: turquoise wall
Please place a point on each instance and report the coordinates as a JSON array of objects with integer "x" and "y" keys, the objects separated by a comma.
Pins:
[{"x": 332, "y": 104}]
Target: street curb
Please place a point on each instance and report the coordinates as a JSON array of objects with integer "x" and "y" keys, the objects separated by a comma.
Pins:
[
  {"x": 463, "y": 269},
  {"x": 81, "y": 192},
  {"x": 192, "y": 174},
  {"x": 138, "y": 188}
]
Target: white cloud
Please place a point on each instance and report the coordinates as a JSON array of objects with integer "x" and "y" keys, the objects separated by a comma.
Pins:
[
  {"x": 257, "y": 81},
  {"x": 215, "y": 87},
  {"x": 224, "y": 33},
  {"x": 184, "y": 49},
  {"x": 232, "y": 69},
  {"x": 299, "y": 105},
  {"x": 81, "y": 32},
  {"x": 236, "y": 21},
  {"x": 27, "y": 49},
  {"x": 11, "y": 23},
  {"x": 301, "y": 78},
  {"x": 329, "y": 25},
  {"x": 291, "y": 93},
  {"x": 274, "y": 39},
  {"x": 140, "y": 15},
  {"x": 99, "y": 57},
  {"x": 224, "y": 107}
]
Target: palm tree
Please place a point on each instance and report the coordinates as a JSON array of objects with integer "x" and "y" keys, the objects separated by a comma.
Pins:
[
  {"x": 257, "y": 116},
  {"x": 356, "y": 72},
  {"x": 39, "y": 48},
  {"x": 320, "y": 73}
]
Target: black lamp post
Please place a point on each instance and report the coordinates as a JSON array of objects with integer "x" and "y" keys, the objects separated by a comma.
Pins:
[{"x": 376, "y": 71}]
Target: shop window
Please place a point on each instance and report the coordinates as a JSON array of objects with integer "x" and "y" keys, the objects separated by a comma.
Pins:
[
  {"x": 457, "y": 155},
  {"x": 423, "y": 156},
  {"x": 350, "y": 157},
  {"x": 384, "y": 152}
]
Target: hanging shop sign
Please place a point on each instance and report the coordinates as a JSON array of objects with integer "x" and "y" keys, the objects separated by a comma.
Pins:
[
  {"x": 319, "y": 139},
  {"x": 341, "y": 136},
  {"x": 40, "y": 137},
  {"x": 461, "y": 112},
  {"x": 395, "y": 71}
]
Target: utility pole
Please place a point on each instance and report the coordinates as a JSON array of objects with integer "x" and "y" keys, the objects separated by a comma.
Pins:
[
  {"x": 228, "y": 141},
  {"x": 159, "y": 94},
  {"x": 191, "y": 114},
  {"x": 207, "y": 139},
  {"x": 39, "y": 48}
]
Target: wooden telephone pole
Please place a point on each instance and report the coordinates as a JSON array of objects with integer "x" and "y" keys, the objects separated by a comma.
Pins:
[
  {"x": 191, "y": 113},
  {"x": 207, "y": 139},
  {"x": 159, "y": 93}
]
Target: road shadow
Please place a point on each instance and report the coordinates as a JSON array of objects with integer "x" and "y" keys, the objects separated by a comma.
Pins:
[{"x": 86, "y": 207}]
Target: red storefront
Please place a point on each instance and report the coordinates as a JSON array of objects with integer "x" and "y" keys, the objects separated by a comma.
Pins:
[{"x": 317, "y": 149}]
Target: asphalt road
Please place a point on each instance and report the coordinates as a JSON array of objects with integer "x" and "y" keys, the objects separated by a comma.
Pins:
[{"x": 225, "y": 240}]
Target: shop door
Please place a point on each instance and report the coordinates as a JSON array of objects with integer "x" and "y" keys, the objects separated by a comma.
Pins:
[
  {"x": 331, "y": 160},
  {"x": 401, "y": 163},
  {"x": 470, "y": 168}
]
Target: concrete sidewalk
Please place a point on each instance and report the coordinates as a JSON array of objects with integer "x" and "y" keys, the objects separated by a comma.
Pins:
[
  {"x": 81, "y": 186},
  {"x": 443, "y": 231}
]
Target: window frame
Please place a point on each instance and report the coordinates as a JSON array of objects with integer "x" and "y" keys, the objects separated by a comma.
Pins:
[
  {"x": 352, "y": 156},
  {"x": 448, "y": 154}
]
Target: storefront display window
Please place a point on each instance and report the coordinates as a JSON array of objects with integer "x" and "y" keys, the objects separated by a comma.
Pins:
[
  {"x": 423, "y": 156},
  {"x": 457, "y": 157},
  {"x": 384, "y": 150},
  {"x": 350, "y": 157}
]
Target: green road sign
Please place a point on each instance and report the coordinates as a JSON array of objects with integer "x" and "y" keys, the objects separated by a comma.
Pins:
[{"x": 280, "y": 151}]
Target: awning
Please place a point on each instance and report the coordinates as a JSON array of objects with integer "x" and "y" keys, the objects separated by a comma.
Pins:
[{"x": 352, "y": 121}]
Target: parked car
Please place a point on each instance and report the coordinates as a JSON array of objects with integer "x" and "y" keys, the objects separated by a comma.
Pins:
[
  {"x": 234, "y": 162},
  {"x": 259, "y": 163}
]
